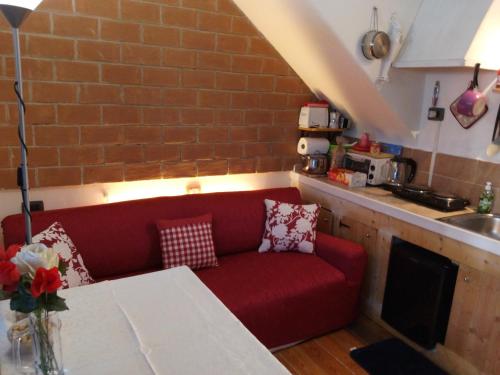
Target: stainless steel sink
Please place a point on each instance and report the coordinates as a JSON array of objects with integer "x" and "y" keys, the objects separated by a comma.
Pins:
[{"x": 485, "y": 224}]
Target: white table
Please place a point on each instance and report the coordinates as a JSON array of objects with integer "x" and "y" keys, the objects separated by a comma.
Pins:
[{"x": 165, "y": 322}]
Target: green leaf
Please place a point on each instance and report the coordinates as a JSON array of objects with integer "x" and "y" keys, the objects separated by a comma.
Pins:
[
  {"x": 52, "y": 302},
  {"x": 63, "y": 267}
]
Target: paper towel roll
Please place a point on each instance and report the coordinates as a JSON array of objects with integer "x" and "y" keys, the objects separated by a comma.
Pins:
[{"x": 310, "y": 146}]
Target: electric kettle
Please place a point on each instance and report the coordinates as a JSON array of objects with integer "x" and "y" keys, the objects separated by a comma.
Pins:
[{"x": 401, "y": 171}]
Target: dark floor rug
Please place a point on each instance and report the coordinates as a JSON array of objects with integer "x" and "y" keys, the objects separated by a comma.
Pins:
[{"x": 394, "y": 357}]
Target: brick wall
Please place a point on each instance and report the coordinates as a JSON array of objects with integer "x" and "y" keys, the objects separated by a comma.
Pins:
[{"x": 123, "y": 90}]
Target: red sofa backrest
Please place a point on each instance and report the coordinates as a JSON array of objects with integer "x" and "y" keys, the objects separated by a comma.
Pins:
[{"x": 121, "y": 238}]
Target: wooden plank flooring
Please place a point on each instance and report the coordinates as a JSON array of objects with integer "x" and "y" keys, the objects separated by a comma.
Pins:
[{"x": 329, "y": 355}]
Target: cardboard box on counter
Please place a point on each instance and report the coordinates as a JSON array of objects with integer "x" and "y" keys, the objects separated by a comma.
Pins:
[{"x": 347, "y": 177}]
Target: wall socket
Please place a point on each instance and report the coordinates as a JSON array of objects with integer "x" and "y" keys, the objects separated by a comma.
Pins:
[{"x": 36, "y": 206}]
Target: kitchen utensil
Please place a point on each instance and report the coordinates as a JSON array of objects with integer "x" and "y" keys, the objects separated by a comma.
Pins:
[
  {"x": 311, "y": 146},
  {"x": 375, "y": 44},
  {"x": 314, "y": 165},
  {"x": 376, "y": 167},
  {"x": 402, "y": 171},
  {"x": 469, "y": 107}
]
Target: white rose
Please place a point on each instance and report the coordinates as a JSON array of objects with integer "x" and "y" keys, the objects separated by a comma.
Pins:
[{"x": 34, "y": 256}]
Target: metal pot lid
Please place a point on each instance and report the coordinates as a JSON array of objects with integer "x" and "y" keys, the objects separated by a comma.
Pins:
[{"x": 380, "y": 45}]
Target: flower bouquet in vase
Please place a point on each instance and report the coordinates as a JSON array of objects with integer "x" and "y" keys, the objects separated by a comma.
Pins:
[{"x": 31, "y": 275}]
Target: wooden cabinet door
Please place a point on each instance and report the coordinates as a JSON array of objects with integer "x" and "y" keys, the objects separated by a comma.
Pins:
[{"x": 325, "y": 221}]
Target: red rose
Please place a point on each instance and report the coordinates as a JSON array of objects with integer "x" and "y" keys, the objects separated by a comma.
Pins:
[
  {"x": 9, "y": 276},
  {"x": 9, "y": 253},
  {"x": 45, "y": 281}
]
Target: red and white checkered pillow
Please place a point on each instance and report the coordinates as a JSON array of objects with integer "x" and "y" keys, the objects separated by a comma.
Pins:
[
  {"x": 187, "y": 242},
  {"x": 289, "y": 227}
]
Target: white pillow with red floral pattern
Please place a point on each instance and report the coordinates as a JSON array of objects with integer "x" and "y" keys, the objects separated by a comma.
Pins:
[
  {"x": 56, "y": 237},
  {"x": 289, "y": 227}
]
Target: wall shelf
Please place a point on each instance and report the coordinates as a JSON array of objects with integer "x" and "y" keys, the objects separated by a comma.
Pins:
[{"x": 321, "y": 130}]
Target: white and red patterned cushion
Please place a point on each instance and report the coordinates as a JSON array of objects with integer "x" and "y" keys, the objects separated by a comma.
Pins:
[
  {"x": 56, "y": 237},
  {"x": 289, "y": 227},
  {"x": 187, "y": 242}
]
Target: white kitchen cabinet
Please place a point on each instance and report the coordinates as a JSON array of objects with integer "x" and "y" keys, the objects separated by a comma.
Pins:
[{"x": 453, "y": 33}]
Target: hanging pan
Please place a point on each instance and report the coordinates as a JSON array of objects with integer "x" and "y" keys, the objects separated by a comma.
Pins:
[{"x": 375, "y": 44}]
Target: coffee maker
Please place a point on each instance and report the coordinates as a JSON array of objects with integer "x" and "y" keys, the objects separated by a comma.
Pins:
[{"x": 314, "y": 157}]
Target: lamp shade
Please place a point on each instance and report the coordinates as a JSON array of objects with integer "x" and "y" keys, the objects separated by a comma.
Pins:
[{"x": 28, "y": 4}]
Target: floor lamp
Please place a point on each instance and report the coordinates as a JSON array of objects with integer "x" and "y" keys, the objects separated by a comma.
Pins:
[{"x": 16, "y": 12}]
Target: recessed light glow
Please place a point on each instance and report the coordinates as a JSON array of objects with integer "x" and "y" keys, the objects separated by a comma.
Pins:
[{"x": 27, "y": 4}]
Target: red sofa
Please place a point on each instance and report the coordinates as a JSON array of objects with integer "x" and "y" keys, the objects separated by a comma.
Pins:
[{"x": 280, "y": 297}]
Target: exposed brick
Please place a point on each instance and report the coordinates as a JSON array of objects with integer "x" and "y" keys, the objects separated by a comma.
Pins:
[
  {"x": 231, "y": 81},
  {"x": 198, "y": 78},
  {"x": 180, "y": 134},
  {"x": 274, "y": 66},
  {"x": 200, "y": 4},
  {"x": 196, "y": 152},
  {"x": 291, "y": 85},
  {"x": 229, "y": 7},
  {"x": 260, "y": 46},
  {"x": 37, "y": 22},
  {"x": 246, "y": 64},
  {"x": 8, "y": 136},
  {"x": 108, "y": 8},
  {"x": 53, "y": 92},
  {"x": 215, "y": 61},
  {"x": 214, "y": 99},
  {"x": 232, "y": 43},
  {"x": 296, "y": 101},
  {"x": 40, "y": 157},
  {"x": 259, "y": 117},
  {"x": 245, "y": 100},
  {"x": 269, "y": 164},
  {"x": 175, "y": 170},
  {"x": 148, "y": 171},
  {"x": 284, "y": 148},
  {"x": 179, "y": 17},
  {"x": 140, "y": 11},
  {"x": 274, "y": 101},
  {"x": 40, "y": 114},
  {"x": 242, "y": 166},
  {"x": 270, "y": 134},
  {"x": 76, "y": 114},
  {"x": 179, "y": 58},
  {"x": 161, "y": 152},
  {"x": 67, "y": 26},
  {"x": 198, "y": 40},
  {"x": 212, "y": 167},
  {"x": 100, "y": 94},
  {"x": 141, "y": 55},
  {"x": 241, "y": 25},
  {"x": 180, "y": 97},
  {"x": 143, "y": 134},
  {"x": 7, "y": 91},
  {"x": 81, "y": 155},
  {"x": 98, "y": 51},
  {"x": 5, "y": 157},
  {"x": 243, "y": 134},
  {"x": 76, "y": 71},
  {"x": 121, "y": 115},
  {"x": 196, "y": 116},
  {"x": 119, "y": 31},
  {"x": 56, "y": 135},
  {"x": 165, "y": 116},
  {"x": 8, "y": 178},
  {"x": 59, "y": 176},
  {"x": 92, "y": 135},
  {"x": 124, "y": 154},
  {"x": 260, "y": 83},
  {"x": 257, "y": 149},
  {"x": 142, "y": 95},
  {"x": 286, "y": 117},
  {"x": 213, "y": 134},
  {"x": 228, "y": 151},
  {"x": 59, "y": 5},
  {"x": 161, "y": 36},
  {"x": 160, "y": 77},
  {"x": 228, "y": 117},
  {"x": 214, "y": 22},
  {"x": 107, "y": 173},
  {"x": 40, "y": 70},
  {"x": 121, "y": 74},
  {"x": 6, "y": 42},
  {"x": 41, "y": 46}
]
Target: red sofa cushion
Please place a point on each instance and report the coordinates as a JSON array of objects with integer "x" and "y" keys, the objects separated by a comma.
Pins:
[
  {"x": 121, "y": 238},
  {"x": 282, "y": 297}
]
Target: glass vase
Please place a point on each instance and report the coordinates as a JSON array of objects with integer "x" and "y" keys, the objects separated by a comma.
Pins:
[{"x": 45, "y": 329}]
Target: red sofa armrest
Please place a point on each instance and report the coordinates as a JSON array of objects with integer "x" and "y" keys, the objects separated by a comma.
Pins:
[{"x": 349, "y": 257}]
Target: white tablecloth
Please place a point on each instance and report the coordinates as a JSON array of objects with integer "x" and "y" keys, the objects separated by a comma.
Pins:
[{"x": 166, "y": 322}]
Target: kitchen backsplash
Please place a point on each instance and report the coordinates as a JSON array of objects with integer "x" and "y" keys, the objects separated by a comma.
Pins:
[{"x": 461, "y": 176}]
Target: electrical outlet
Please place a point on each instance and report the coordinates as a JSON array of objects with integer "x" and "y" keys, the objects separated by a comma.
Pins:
[
  {"x": 36, "y": 206},
  {"x": 435, "y": 114}
]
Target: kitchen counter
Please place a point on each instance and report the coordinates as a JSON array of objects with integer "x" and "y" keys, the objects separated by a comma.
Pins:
[{"x": 385, "y": 202}]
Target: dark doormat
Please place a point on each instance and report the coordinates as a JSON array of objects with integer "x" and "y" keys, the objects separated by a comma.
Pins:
[{"x": 394, "y": 357}]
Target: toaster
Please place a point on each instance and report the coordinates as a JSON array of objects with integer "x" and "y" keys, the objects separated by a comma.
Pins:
[
  {"x": 375, "y": 168},
  {"x": 314, "y": 115}
]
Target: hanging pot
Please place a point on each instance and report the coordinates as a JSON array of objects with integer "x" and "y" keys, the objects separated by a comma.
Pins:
[
  {"x": 472, "y": 102},
  {"x": 375, "y": 44}
]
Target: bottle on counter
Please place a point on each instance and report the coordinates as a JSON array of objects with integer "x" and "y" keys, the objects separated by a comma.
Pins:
[
  {"x": 337, "y": 155},
  {"x": 486, "y": 200}
]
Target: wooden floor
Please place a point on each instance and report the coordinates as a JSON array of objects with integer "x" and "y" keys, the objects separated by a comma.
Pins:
[{"x": 329, "y": 355}]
